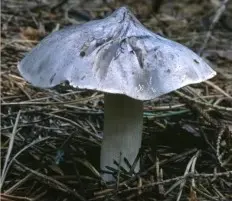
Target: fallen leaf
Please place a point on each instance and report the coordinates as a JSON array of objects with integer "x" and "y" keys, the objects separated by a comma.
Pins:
[{"x": 30, "y": 33}]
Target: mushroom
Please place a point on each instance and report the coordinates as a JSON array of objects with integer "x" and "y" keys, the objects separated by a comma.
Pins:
[{"x": 120, "y": 57}]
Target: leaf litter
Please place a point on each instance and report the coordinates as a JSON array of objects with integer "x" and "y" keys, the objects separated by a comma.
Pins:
[{"x": 50, "y": 138}]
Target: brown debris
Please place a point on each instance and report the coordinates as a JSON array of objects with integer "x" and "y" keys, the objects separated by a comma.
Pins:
[{"x": 50, "y": 138}]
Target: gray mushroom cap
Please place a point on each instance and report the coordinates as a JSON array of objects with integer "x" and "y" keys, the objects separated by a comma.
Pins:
[{"x": 115, "y": 55}]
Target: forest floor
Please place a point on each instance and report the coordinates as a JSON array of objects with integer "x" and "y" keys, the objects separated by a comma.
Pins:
[{"x": 50, "y": 138}]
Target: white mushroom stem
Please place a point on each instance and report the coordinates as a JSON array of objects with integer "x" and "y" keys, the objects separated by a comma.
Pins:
[{"x": 123, "y": 123}]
